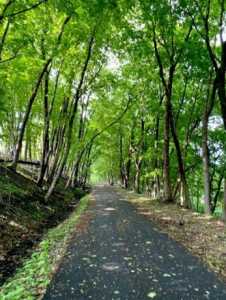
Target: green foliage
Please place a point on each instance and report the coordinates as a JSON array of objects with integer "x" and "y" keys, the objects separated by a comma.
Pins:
[{"x": 140, "y": 52}]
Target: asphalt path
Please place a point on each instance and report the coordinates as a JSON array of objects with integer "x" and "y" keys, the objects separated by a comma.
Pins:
[{"x": 123, "y": 256}]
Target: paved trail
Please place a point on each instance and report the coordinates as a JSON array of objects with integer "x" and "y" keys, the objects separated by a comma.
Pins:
[{"x": 123, "y": 256}]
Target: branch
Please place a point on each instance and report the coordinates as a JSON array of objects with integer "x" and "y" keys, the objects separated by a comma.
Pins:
[
  {"x": 185, "y": 41},
  {"x": 22, "y": 10},
  {"x": 3, "y": 39},
  {"x": 116, "y": 120},
  {"x": 67, "y": 19},
  {"x": 157, "y": 54},
  {"x": 7, "y": 5},
  {"x": 9, "y": 59}
]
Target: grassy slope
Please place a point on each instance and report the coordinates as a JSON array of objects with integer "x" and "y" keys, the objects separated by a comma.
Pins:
[
  {"x": 32, "y": 279},
  {"x": 25, "y": 217}
]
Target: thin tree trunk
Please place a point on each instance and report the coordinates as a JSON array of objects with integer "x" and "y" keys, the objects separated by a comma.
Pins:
[
  {"x": 224, "y": 201},
  {"x": 27, "y": 114},
  {"x": 166, "y": 158},
  {"x": 205, "y": 149},
  {"x": 216, "y": 196},
  {"x": 167, "y": 85},
  {"x": 139, "y": 159},
  {"x": 156, "y": 161},
  {"x": 57, "y": 140},
  {"x": 121, "y": 164},
  {"x": 45, "y": 146},
  {"x": 71, "y": 120},
  {"x": 128, "y": 163},
  {"x": 221, "y": 83},
  {"x": 184, "y": 201},
  {"x": 33, "y": 96},
  {"x": 3, "y": 39},
  {"x": 206, "y": 171},
  {"x": 137, "y": 176}
]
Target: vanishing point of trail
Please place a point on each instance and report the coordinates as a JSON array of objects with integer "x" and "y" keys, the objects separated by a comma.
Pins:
[{"x": 122, "y": 256}]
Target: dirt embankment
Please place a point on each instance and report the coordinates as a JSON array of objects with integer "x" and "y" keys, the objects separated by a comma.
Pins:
[{"x": 25, "y": 217}]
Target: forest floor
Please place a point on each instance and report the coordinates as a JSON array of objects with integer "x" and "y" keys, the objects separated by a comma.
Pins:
[
  {"x": 204, "y": 236},
  {"x": 25, "y": 217},
  {"x": 117, "y": 253}
]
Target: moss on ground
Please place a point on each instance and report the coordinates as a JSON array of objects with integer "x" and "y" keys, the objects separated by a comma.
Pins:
[{"x": 31, "y": 280}]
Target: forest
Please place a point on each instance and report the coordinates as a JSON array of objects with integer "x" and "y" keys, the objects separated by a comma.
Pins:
[{"x": 128, "y": 93}]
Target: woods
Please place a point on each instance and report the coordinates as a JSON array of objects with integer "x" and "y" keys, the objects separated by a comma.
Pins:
[{"x": 132, "y": 92}]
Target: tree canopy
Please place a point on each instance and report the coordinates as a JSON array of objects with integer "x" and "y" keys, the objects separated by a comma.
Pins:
[{"x": 124, "y": 91}]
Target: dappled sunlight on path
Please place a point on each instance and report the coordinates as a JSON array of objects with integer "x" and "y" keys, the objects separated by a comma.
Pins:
[{"x": 122, "y": 255}]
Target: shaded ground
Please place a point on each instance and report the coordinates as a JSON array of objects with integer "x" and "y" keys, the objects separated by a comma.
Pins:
[
  {"x": 122, "y": 255},
  {"x": 25, "y": 217},
  {"x": 204, "y": 236}
]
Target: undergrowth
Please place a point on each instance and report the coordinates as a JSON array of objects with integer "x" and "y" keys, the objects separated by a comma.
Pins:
[{"x": 31, "y": 280}]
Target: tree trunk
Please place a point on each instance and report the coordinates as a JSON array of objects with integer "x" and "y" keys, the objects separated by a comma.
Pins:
[
  {"x": 184, "y": 197},
  {"x": 121, "y": 163},
  {"x": 3, "y": 39},
  {"x": 128, "y": 162},
  {"x": 33, "y": 96},
  {"x": 216, "y": 196},
  {"x": 222, "y": 94},
  {"x": 224, "y": 202},
  {"x": 45, "y": 146},
  {"x": 221, "y": 83},
  {"x": 206, "y": 163},
  {"x": 137, "y": 176},
  {"x": 139, "y": 158},
  {"x": 71, "y": 119},
  {"x": 57, "y": 140},
  {"x": 27, "y": 114},
  {"x": 205, "y": 149},
  {"x": 157, "y": 191},
  {"x": 166, "y": 158}
]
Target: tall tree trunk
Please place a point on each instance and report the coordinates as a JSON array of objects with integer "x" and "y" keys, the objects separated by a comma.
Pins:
[
  {"x": 166, "y": 158},
  {"x": 73, "y": 179},
  {"x": 71, "y": 120},
  {"x": 206, "y": 167},
  {"x": 86, "y": 166},
  {"x": 57, "y": 140},
  {"x": 3, "y": 39},
  {"x": 205, "y": 149},
  {"x": 128, "y": 162},
  {"x": 167, "y": 85},
  {"x": 45, "y": 146},
  {"x": 121, "y": 167},
  {"x": 33, "y": 96},
  {"x": 217, "y": 193},
  {"x": 139, "y": 158},
  {"x": 184, "y": 201},
  {"x": 221, "y": 84},
  {"x": 137, "y": 176},
  {"x": 27, "y": 114},
  {"x": 224, "y": 202},
  {"x": 157, "y": 192}
]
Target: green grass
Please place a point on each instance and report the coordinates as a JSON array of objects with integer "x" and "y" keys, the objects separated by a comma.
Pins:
[
  {"x": 7, "y": 187},
  {"x": 33, "y": 277}
]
